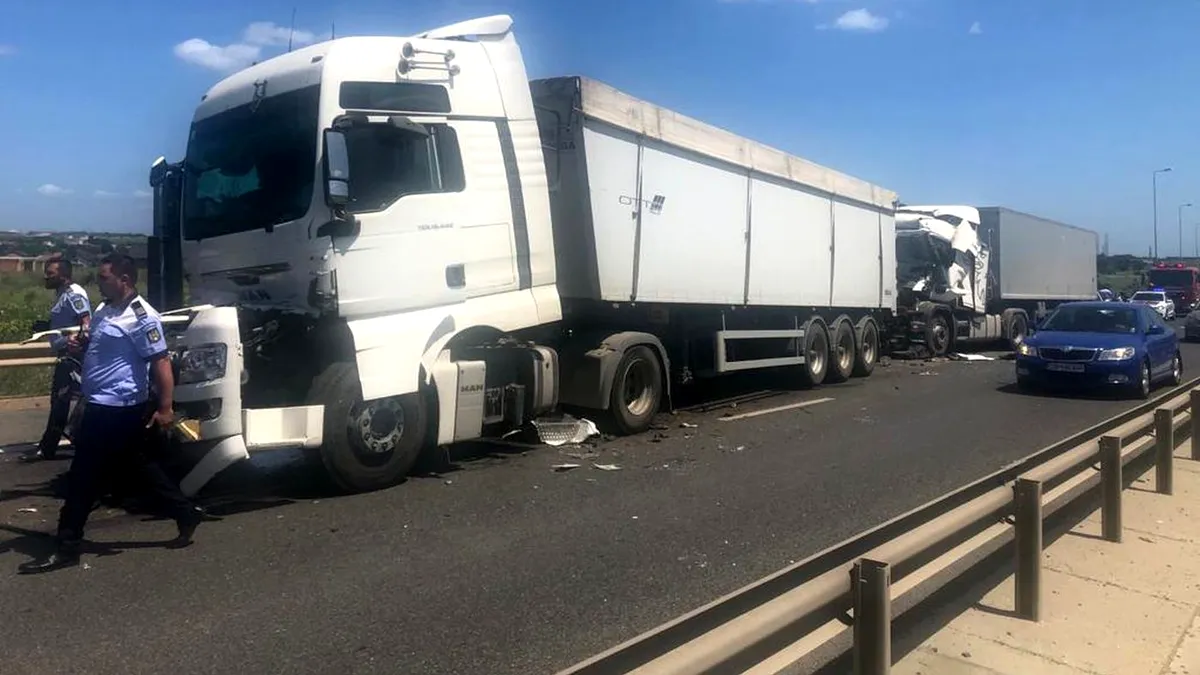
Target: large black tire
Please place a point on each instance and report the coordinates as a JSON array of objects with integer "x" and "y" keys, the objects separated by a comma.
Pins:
[
  {"x": 842, "y": 353},
  {"x": 1018, "y": 330},
  {"x": 867, "y": 354},
  {"x": 816, "y": 354},
  {"x": 637, "y": 391},
  {"x": 1177, "y": 370},
  {"x": 367, "y": 445},
  {"x": 938, "y": 335}
]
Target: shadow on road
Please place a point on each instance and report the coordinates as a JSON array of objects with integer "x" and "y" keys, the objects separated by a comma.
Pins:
[{"x": 1065, "y": 393}]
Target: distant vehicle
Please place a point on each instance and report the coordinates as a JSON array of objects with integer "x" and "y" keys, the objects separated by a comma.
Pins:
[
  {"x": 1106, "y": 295},
  {"x": 1156, "y": 300},
  {"x": 1191, "y": 326},
  {"x": 1180, "y": 283},
  {"x": 1101, "y": 345}
]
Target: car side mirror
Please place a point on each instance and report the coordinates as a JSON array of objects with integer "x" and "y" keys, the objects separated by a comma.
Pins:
[{"x": 158, "y": 172}]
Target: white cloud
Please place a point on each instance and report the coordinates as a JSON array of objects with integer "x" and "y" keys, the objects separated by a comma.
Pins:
[
  {"x": 104, "y": 193},
  {"x": 7, "y": 50},
  {"x": 52, "y": 190},
  {"x": 143, "y": 194},
  {"x": 230, "y": 57},
  {"x": 975, "y": 29},
  {"x": 861, "y": 20}
]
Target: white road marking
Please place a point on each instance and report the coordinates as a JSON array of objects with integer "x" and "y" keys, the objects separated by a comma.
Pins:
[{"x": 781, "y": 408}]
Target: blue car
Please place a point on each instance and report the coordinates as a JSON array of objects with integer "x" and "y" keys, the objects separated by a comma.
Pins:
[{"x": 1101, "y": 345}]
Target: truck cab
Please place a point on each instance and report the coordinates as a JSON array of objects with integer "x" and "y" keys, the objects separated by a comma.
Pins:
[{"x": 365, "y": 227}]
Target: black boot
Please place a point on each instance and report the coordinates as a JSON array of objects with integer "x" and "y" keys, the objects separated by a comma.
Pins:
[
  {"x": 67, "y": 555},
  {"x": 38, "y": 456},
  {"x": 187, "y": 524}
]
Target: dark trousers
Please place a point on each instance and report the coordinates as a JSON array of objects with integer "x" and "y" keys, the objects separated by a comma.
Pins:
[
  {"x": 113, "y": 444},
  {"x": 62, "y": 387}
]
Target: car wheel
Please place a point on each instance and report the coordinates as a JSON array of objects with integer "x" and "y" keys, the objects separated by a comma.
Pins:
[
  {"x": 1177, "y": 370},
  {"x": 1142, "y": 388}
]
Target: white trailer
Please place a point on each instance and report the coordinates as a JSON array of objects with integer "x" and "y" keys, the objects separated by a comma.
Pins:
[{"x": 402, "y": 242}]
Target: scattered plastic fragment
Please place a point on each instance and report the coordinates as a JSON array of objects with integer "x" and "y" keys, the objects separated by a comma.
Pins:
[
  {"x": 688, "y": 425},
  {"x": 564, "y": 431},
  {"x": 565, "y": 467},
  {"x": 27, "y": 509},
  {"x": 607, "y": 467}
]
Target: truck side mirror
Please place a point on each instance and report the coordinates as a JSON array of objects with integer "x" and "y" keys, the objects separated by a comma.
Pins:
[
  {"x": 158, "y": 172},
  {"x": 336, "y": 167}
]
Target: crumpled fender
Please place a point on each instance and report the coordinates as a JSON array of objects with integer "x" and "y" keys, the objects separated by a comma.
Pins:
[{"x": 390, "y": 350}]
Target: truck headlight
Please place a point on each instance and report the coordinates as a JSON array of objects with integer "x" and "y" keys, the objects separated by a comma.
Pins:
[
  {"x": 1025, "y": 350},
  {"x": 1118, "y": 354},
  {"x": 202, "y": 363}
]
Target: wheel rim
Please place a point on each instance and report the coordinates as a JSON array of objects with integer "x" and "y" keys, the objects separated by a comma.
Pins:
[
  {"x": 816, "y": 356},
  {"x": 845, "y": 350},
  {"x": 638, "y": 390},
  {"x": 1145, "y": 379},
  {"x": 1177, "y": 369},
  {"x": 376, "y": 429},
  {"x": 940, "y": 335},
  {"x": 868, "y": 346}
]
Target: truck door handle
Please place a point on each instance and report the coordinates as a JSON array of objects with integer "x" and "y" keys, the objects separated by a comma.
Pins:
[{"x": 456, "y": 276}]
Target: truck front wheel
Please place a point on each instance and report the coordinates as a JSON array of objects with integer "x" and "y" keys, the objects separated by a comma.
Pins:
[
  {"x": 938, "y": 336},
  {"x": 368, "y": 445}
]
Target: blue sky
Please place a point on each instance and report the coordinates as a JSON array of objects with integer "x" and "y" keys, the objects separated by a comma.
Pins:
[{"x": 1062, "y": 108}]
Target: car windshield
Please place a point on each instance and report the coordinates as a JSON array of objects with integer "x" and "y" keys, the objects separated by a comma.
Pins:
[
  {"x": 251, "y": 167},
  {"x": 1149, "y": 296},
  {"x": 1093, "y": 320}
]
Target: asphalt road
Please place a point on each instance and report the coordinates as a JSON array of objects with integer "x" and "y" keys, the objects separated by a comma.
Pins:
[{"x": 502, "y": 565}]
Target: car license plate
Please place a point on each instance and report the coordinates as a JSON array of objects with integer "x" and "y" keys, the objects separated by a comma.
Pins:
[{"x": 1065, "y": 367}]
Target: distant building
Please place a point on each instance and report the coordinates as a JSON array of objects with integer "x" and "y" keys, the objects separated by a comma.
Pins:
[{"x": 23, "y": 263}]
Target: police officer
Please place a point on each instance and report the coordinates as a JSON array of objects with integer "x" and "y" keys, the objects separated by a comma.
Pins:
[
  {"x": 71, "y": 309},
  {"x": 125, "y": 347}
]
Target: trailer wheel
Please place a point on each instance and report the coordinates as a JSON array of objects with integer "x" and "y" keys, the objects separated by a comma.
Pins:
[
  {"x": 1018, "y": 330},
  {"x": 842, "y": 353},
  {"x": 938, "y": 335},
  {"x": 369, "y": 445},
  {"x": 816, "y": 354},
  {"x": 868, "y": 349},
  {"x": 637, "y": 391}
]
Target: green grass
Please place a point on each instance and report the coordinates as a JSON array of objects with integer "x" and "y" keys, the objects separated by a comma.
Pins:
[{"x": 24, "y": 300}]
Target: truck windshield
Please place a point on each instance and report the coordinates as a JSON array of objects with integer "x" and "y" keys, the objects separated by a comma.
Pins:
[
  {"x": 251, "y": 167},
  {"x": 1092, "y": 320},
  {"x": 1170, "y": 277}
]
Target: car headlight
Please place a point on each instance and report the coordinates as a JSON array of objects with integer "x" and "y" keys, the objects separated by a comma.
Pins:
[
  {"x": 1118, "y": 354},
  {"x": 202, "y": 363},
  {"x": 1024, "y": 349}
]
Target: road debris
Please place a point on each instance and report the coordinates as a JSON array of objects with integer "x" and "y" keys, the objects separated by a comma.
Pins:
[
  {"x": 565, "y": 467},
  {"x": 688, "y": 425},
  {"x": 27, "y": 509},
  {"x": 607, "y": 467},
  {"x": 567, "y": 430},
  {"x": 971, "y": 357}
]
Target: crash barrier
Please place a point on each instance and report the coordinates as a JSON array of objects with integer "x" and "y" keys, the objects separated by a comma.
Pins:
[
  {"x": 32, "y": 354},
  {"x": 841, "y": 602}
]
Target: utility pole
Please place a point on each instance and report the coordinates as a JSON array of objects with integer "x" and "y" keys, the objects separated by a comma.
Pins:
[
  {"x": 1181, "y": 208},
  {"x": 1155, "y": 184}
]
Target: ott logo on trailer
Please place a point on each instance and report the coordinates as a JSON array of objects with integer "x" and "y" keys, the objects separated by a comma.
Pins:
[{"x": 654, "y": 206}]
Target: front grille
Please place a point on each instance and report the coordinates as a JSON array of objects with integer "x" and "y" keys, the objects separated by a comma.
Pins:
[{"x": 1067, "y": 353}]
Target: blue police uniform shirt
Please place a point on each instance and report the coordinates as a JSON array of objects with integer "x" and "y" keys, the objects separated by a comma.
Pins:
[
  {"x": 122, "y": 343},
  {"x": 71, "y": 306}
]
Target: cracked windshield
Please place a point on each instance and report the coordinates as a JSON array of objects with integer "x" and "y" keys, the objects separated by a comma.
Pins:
[{"x": 533, "y": 338}]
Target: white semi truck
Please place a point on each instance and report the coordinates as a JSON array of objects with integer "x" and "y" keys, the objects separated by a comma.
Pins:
[
  {"x": 401, "y": 242},
  {"x": 967, "y": 273}
]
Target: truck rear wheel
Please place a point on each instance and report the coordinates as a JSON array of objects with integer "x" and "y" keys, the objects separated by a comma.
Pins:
[
  {"x": 368, "y": 445},
  {"x": 842, "y": 353},
  {"x": 816, "y": 354},
  {"x": 637, "y": 390},
  {"x": 868, "y": 349},
  {"x": 1018, "y": 330}
]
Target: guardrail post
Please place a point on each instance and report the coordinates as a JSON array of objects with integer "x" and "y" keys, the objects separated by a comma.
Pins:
[
  {"x": 1164, "y": 451},
  {"x": 1110, "y": 487},
  {"x": 1028, "y": 510},
  {"x": 1195, "y": 411},
  {"x": 872, "y": 617}
]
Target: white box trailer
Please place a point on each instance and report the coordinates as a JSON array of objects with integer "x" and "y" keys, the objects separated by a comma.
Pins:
[{"x": 652, "y": 208}]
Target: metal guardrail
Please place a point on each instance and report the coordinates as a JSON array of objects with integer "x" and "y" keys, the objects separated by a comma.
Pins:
[
  {"x": 843, "y": 600},
  {"x": 32, "y": 354}
]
